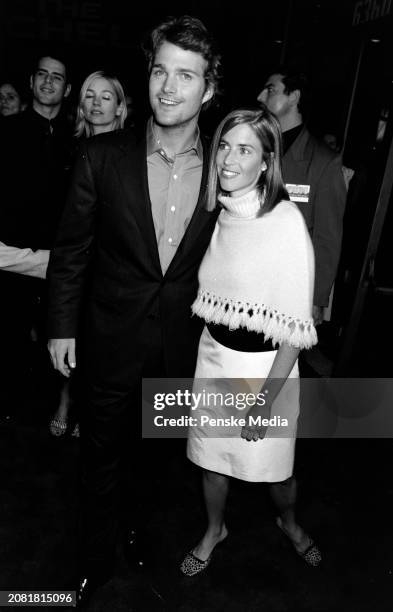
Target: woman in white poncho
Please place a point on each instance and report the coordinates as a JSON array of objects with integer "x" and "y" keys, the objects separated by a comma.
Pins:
[{"x": 255, "y": 294}]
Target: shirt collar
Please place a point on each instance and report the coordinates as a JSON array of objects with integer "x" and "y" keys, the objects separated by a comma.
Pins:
[
  {"x": 55, "y": 121},
  {"x": 153, "y": 144}
]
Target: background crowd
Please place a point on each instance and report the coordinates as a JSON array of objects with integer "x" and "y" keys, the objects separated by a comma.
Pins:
[{"x": 40, "y": 132}]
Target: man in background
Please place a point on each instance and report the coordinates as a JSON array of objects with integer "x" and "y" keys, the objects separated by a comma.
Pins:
[
  {"x": 313, "y": 176},
  {"x": 35, "y": 159}
]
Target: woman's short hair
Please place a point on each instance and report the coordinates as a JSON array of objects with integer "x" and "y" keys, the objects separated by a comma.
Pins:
[
  {"x": 190, "y": 34},
  {"x": 82, "y": 127},
  {"x": 266, "y": 127}
]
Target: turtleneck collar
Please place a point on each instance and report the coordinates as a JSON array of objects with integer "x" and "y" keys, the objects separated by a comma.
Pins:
[{"x": 245, "y": 206}]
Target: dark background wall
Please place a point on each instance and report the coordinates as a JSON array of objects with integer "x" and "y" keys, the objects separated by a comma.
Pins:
[
  {"x": 323, "y": 37},
  {"x": 252, "y": 35}
]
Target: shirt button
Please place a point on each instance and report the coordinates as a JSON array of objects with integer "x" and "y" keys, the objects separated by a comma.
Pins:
[
  {"x": 173, "y": 208},
  {"x": 170, "y": 240},
  {"x": 175, "y": 176}
]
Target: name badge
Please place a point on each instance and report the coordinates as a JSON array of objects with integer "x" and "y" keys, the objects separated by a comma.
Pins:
[{"x": 298, "y": 193}]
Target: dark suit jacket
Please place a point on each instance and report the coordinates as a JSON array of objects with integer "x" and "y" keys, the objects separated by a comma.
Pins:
[
  {"x": 106, "y": 254},
  {"x": 310, "y": 162},
  {"x": 35, "y": 157}
]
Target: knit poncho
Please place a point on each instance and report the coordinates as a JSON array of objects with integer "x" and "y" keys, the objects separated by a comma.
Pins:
[{"x": 258, "y": 272}]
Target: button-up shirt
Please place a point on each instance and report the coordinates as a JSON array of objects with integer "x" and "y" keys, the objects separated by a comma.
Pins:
[{"x": 174, "y": 185}]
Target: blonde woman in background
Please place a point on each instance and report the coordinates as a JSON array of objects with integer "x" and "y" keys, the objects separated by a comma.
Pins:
[{"x": 102, "y": 105}]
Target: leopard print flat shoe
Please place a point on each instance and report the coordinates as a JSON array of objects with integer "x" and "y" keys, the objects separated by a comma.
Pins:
[
  {"x": 311, "y": 554},
  {"x": 191, "y": 565},
  {"x": 58, "y": 427}
]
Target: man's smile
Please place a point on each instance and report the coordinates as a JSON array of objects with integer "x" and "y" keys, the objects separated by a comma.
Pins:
[{"x": 168, "y": 102}]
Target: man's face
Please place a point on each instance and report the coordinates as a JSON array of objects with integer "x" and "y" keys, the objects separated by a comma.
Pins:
[
  {"x": 177, "y": 86},
  {"x": 274, "y": 97},
  {"x": 48, "y": 83}
]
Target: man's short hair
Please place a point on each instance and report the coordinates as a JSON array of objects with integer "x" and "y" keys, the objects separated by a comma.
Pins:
[
  {"x": 56, "y": 54},
  {"x": 190, "y": 34},
  {"x": 293, "y": 79}
]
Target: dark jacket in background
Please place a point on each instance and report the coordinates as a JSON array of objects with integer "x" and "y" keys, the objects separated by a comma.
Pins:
[
  {"x": 35, "y": 163},
  {"x": 309, "y": 162},
  {"x": 34, "y": 167}
]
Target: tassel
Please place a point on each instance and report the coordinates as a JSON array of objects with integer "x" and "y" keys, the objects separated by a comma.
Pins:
[
  {"x": 226, "y": 317},
  {"x": 257, "y": 318},
  {"x": 235, "y": 320}
]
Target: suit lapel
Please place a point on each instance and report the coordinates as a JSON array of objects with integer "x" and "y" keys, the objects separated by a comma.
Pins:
[
  {"x": 132, "y": 173},
  {"x": 296, "y": 161},
  {"x": 298, "y": 147}
]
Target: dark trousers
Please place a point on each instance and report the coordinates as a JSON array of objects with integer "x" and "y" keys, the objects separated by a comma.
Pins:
[
  {"x": 17, "y": 307},
  {"x": 115, "y": 467}
]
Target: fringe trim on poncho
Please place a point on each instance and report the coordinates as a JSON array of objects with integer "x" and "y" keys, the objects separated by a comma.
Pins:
[{"x": 255, "y": 317}]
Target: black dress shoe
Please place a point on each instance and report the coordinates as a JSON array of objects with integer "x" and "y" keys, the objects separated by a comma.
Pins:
[{"x": 135, "y": 551}]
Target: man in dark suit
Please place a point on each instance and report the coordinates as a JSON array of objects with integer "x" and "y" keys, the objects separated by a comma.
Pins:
[
  {"x": 130, "y": 243},
  {"x": 34, "y": 161},
  {"x": 313, "y": 177}
]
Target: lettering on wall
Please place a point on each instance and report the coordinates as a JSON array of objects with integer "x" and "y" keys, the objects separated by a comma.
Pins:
[{"x": 370, "y": 10}]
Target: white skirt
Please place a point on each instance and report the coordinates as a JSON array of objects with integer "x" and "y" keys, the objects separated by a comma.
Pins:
[{"x": 221, "y": 370}]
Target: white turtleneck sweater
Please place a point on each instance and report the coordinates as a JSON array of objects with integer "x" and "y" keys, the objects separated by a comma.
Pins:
[{"x": 258, "y": 272}]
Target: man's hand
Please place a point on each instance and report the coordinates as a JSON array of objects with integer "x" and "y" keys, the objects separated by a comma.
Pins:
[
  {"x": 317, "y": 314},
  {"x": 255, "y": 432},
  {"x": 62, "y": 352}
]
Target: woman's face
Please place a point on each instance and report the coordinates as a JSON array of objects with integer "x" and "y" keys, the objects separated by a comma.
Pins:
[
  {"x": 10, "y": 102},
  {"x": 100, "y": 106},
  {"x": 239, "y": 160}
]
